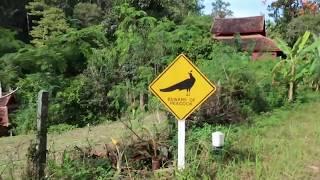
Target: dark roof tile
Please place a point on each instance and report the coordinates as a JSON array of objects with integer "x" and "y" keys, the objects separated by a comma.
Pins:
[{"x": 245, "y": 26}]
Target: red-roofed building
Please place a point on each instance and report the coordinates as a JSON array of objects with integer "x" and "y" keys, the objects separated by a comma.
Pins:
[
  {"x": 252, "y": 35},
  {"x": 7, "y": 104}
]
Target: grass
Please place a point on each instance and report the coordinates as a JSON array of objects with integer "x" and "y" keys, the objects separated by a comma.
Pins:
[
  {"x": 14, "y": 149},
  {"x": 282, "y": 145}
]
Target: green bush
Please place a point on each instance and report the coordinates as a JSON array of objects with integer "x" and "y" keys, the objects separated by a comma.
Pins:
[
  {"x": 94, "y": 74},
  {"x": 76, "y": 165},
  {"x": 202, "y": 160},
  {"x": 25, "y": 119},
  {"x": 244, "y": 87},
  {"x": 299, "y": 25},
  {"x": 8, "y": 44}
]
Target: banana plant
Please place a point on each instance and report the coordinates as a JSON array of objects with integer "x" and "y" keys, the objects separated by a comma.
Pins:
[
  {"x": 315, "y": 67},
  {"x": 296, "y": 65}
]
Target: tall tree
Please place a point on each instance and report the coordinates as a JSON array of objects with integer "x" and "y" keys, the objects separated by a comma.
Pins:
[
  {"x": 173, "y": 9},
  {"x": 283, "y": 11},
  {"x": 309, "y": 7},
  {"x": 300, "y": 25},
  {"x": 13, "y": 16},
  {"x": 221, "y": 9},
  {"x": 9, "y": 43},
  {"x": 52, "y": 24},
  {"x": 87, "y": 13}
]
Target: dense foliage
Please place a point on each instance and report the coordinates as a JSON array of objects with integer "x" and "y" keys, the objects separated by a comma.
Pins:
[
  {"x": 97, "y": 59},
  {"x": 287, "y": 13}
]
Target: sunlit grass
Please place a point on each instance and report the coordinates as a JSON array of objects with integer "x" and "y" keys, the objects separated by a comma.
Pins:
[{"x": 282, "y": 145}]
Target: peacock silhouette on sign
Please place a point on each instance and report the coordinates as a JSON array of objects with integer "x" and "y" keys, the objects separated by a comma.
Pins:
[{"x": 186, "y": 84}]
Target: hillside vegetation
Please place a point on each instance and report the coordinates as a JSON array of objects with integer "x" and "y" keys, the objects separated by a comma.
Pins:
[{"x": 96, "y": 58}]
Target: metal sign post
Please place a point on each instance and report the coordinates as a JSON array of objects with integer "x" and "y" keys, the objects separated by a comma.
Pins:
[
  {"x": 181, "y": 143},
  {"x": 182, "y": 88}
]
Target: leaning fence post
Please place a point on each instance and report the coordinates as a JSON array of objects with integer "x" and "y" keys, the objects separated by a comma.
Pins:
[{"x": 42, "y": 116}]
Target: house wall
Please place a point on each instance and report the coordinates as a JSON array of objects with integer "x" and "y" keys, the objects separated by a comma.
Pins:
[
  {"x": 263, "y": 55},
  {"x": 4, "y": 121}
]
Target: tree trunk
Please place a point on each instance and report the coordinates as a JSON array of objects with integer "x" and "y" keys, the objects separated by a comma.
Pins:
[
  {"x": 292, "y": 84},
  {"x": 291, "y": 91}
]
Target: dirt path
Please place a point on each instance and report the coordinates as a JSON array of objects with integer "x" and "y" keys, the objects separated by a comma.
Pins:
[{"x": 13, "y": 149}]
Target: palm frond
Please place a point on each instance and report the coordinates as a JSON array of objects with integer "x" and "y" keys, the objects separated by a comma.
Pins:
[
  {"x": 295, "y": 46},
  {"x": 310, "y": 48},
  {"x": 283, "y": 46},
  {"x": 304, "y": 40}
]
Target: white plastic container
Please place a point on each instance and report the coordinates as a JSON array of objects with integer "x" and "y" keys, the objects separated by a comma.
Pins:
[{"x": 217, "y": 139}]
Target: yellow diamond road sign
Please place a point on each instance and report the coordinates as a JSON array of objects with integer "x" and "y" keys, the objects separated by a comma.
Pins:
[{"x": 181, "y": 87}]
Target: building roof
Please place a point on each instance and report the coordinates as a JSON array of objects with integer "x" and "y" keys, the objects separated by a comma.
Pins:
[
  {"x": 255, "y": 43},
  {"x": 5, "y": 100},
  {"x": 243, "y": 26}
]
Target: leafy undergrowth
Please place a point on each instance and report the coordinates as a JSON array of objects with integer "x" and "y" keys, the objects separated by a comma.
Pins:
[{"x": 284, "y": 144}]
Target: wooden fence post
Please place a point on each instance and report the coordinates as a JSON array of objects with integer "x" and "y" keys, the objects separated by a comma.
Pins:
[{"x": 42, "y": 116}]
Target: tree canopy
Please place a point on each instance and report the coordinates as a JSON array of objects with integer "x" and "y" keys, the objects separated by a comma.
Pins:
[
  {"x": 97, "y": 57},
  {"x": 220, "y": 9}
]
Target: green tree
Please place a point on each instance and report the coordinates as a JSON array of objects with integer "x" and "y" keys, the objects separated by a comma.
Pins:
[
  {"x": 13, "y": 16},
  {"x": 8, "y": 42},
  {"x": 220, "y": 9},
  {"x": 134, "y": 49},
  {"x": 282, "y": 11},
  {"x": 52, "y": 24},
  {"x": 175, "y": 10},
  {"x": 300, "y": 25},
  {"x": 314, "y": 71},
  {"x": 88, "y": 14}
]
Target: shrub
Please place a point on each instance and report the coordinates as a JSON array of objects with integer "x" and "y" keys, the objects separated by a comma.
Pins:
[
  {"x": 26, "y": 119},
  {"x": 244, "y": 87},
  {"x": 78, "y": 165},
  {"x": 298, "y": 26}
]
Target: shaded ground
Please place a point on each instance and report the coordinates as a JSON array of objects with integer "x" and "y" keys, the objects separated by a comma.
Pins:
[{"x": 13, "y": 149}]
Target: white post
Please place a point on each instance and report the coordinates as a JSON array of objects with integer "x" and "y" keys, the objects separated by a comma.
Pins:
[
  {"x": 217, "y": 140},
  {"x": 181, "y": 143}
]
